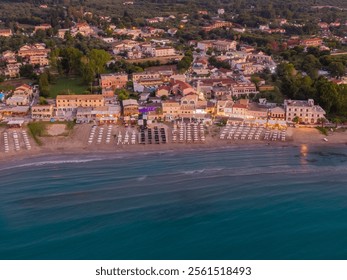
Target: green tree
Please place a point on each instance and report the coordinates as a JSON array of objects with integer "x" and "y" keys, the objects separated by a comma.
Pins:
[
  {"x": 27, "y": 71},
  {"x": 98, "y": 60},
  {"x": 286, "y": 69},
  {"x": 87, "y": 70},
  {"x": 43, "y": 101},
  {"x": 296, "y": 119},
  {"x": 327, "y": 95},
  {"x": 71, "y": 60},
  {"x": 311, "y": 65},
  {"x": 122, "y": 94},
  {"x": 44, "y": 84},
  {"x": 337, "y": 69},
  {"x": 336, "y": 121},
  {"x": 93, "y": 64},
  {"x": 322, "y": 121}
]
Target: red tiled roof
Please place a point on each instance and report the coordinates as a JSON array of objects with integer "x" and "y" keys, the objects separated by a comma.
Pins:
[{"x": 240, "y": 106}]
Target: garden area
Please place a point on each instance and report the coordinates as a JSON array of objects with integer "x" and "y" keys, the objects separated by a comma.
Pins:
[
  {"x": 12, "y": 84},
  {"x": 67, "y": 86}
]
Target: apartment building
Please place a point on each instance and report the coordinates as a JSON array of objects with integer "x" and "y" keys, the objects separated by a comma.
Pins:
[
  {"x": 164, "y": 51},
  {"x": 23, "y": 90},
  {"x": 12, "y": 70},
  {"x": 219, "y": 45},
  {"x": 42, "y": 112},
  {"x": 17, "y": 101},
  {"x": 6, "y": 33},
  {"x": 62, "y": 32},
  {"x": 44, "y": 26},
  {"x": 71, "y": 102},
  {"x": 41, "y": 60},
  {"x": 313, "y": 42},
  {"x": 82, "y": 28},
  {"x": 130, "y": 107},
  {"x": 217, "y": 24},
  {"x": 113, "y": 81},
  {"x": 224, "y": 45},
  {"x": 171, "y": 109},
  {"x": 243, "y": 89},
  {"x": 33, "y": 50}
]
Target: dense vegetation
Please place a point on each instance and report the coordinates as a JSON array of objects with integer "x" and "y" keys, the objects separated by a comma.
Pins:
[
  {"x": 297, "y": 76},
  {"x": 248, "y": 12}
]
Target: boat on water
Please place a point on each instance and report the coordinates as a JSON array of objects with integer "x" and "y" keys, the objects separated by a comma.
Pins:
[{"x": 325, "y": 139}]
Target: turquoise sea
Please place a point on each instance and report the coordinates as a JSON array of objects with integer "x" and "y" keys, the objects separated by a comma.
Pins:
[{"x": 235, "y": 203}]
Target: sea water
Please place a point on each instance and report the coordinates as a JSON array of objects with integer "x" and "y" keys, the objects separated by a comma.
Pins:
[{"x": 236, "y": 203}]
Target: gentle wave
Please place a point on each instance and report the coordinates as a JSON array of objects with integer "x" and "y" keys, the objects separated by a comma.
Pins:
[
  {"x": 57, "y": 162},
  {"x": 246, "y": 203}
]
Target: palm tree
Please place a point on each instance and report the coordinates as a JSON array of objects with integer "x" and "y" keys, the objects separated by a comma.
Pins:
[
  {"x": 322, "y": 121},
  {"x": 296, "y": 119},
  {"x": 336, "y": 121}
]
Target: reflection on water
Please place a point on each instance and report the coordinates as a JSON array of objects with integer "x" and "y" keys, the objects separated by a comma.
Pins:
[{"x": 303, "y": 153}]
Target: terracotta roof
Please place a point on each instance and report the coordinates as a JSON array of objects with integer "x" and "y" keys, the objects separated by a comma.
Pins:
[
  {"x": 164, "y": 87},
  {"x": 80, "y": 96},
  {"x": 24, "y": 86},
  {"x": 240, "y": 106}
]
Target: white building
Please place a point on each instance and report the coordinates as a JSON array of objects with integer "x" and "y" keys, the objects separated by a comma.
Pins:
[
  {"x": 164, "y": 51},
  {"x": 306, "y": 111},
  {"x": 221, "y": 11}
]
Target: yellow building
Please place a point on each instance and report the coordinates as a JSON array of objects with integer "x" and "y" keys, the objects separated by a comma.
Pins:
[
  {"x": 68, "y": 102},
  {"x": 171, "y": 109},
  {"x": 41, "y": 60}
]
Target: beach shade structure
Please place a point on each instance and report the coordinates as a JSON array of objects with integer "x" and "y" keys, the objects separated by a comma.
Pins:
[
  {"x": 92, "y": 134},
  {"x": 16, "y": 141},
  {"x": 133, "y": 138},
  {"x": 100, "y": 135},
  {"x": 133, "y": 134},
  {"x": 6, "y": 145},
  {"x": 108, "y": 134}
]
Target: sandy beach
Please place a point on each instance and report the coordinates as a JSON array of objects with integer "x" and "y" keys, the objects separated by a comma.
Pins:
[{"x": 76, "y": 142}]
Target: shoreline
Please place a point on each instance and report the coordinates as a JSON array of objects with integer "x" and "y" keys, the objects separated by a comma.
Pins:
[
  {"x": 75, "y": 145},
  {"x": 74, "y": 153}
]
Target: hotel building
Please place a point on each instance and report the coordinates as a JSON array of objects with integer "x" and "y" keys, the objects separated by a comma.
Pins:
[{"x": 306, "y": 111}]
